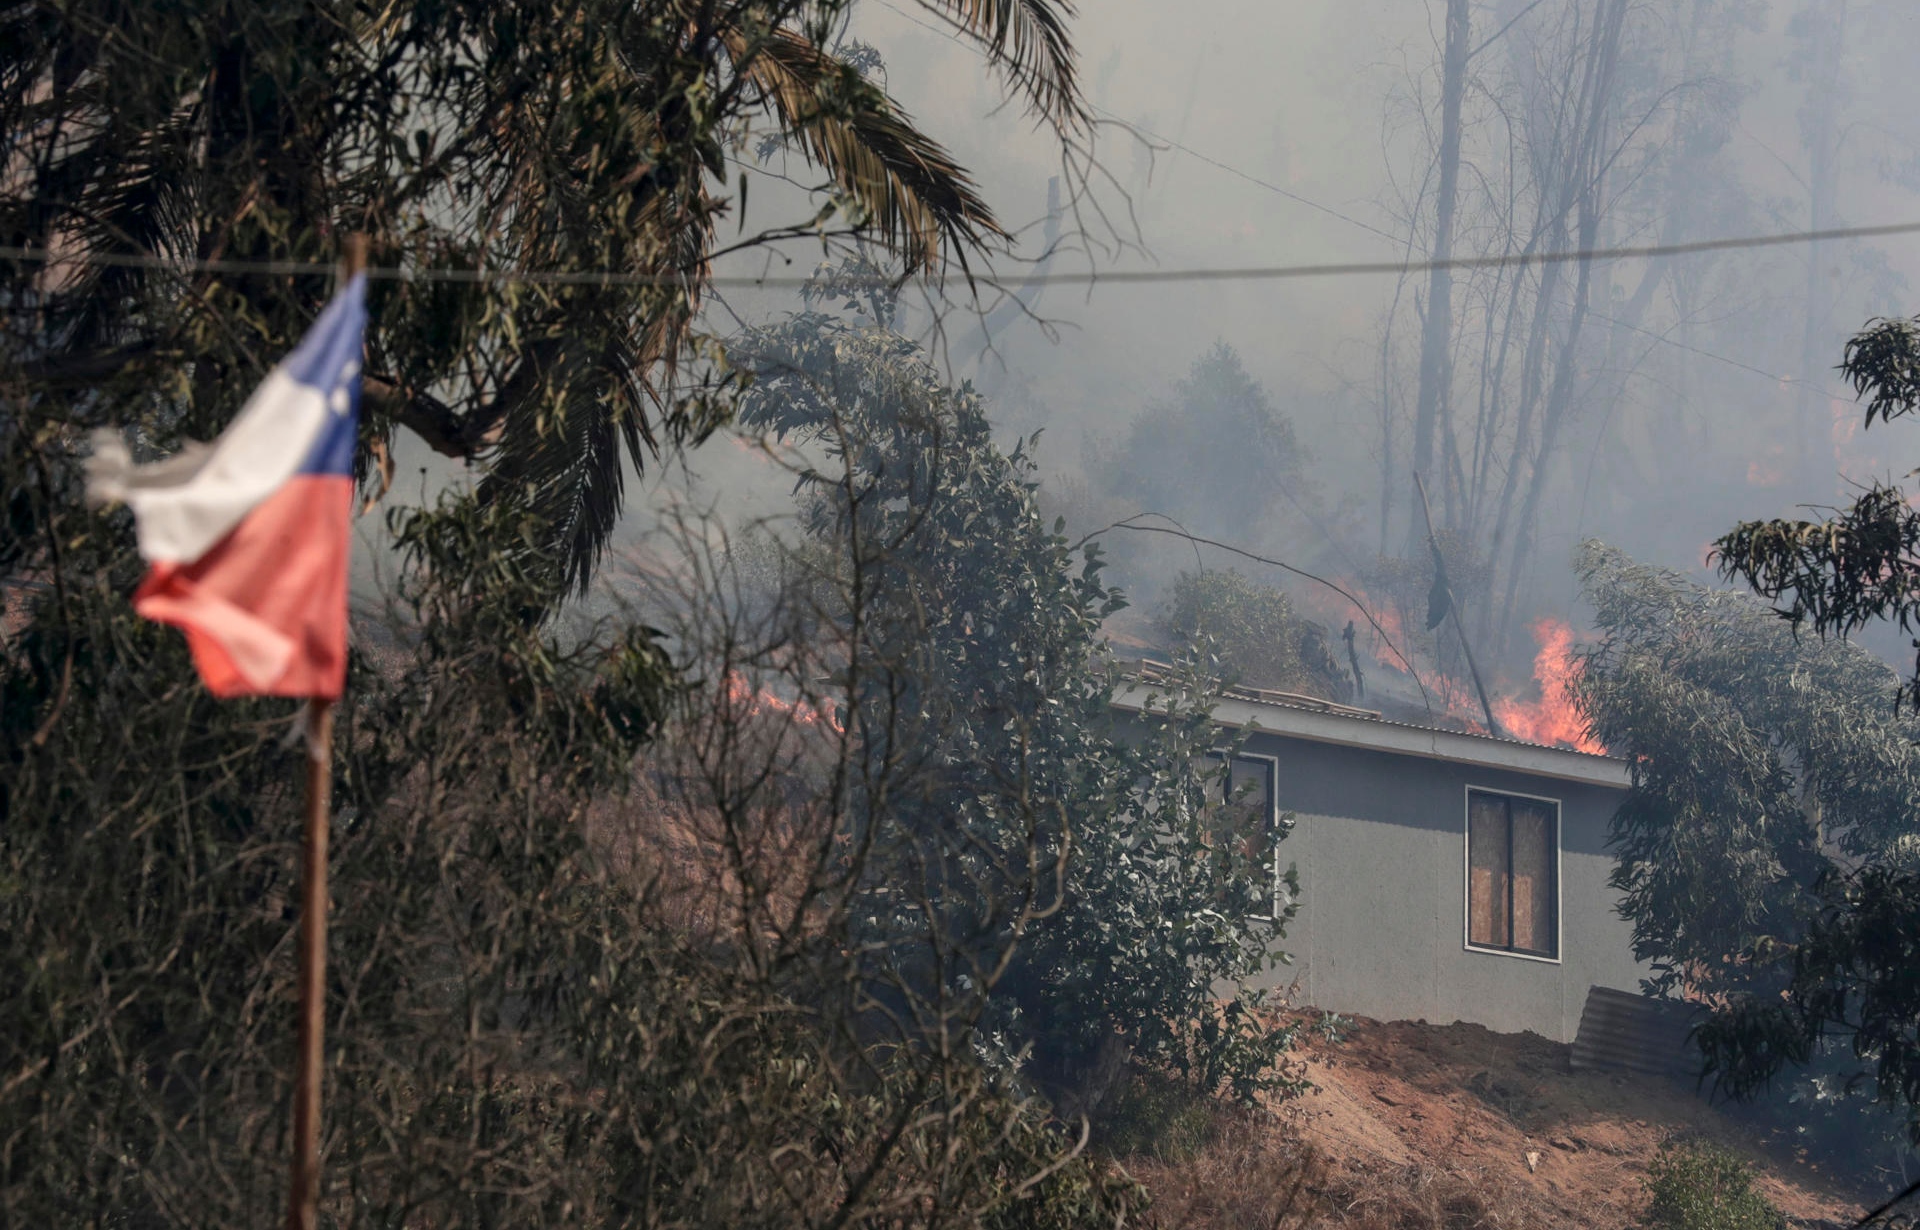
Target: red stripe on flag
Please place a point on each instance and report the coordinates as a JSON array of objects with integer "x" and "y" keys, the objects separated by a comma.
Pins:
[{"x": 265, "y": 609}]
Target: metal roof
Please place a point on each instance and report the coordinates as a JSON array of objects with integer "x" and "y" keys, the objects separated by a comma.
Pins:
[{"x": 1343, "y": 725}]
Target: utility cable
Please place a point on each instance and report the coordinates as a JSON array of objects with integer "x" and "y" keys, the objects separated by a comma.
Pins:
[
  {"x": 1125, "y": 277},
  {"x": 1143, "y": 130},
  {"x": 1705, "y": 354}
]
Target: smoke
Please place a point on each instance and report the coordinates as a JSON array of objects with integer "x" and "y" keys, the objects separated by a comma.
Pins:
[{"x": 1700, "y": 390}]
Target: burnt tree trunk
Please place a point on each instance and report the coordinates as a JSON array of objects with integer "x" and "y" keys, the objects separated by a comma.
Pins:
[
  {"x": 1436, "y": 337},
  {"x": 1819, "y": 117}
]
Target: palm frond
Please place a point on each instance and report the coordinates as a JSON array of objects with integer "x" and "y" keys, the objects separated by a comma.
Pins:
[
  {"x": 1028, "y": 41},
  {"x": 912, "y": 191},
  {"x": 560, "y": 458}
]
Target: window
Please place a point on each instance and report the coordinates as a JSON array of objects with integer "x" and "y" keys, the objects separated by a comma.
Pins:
[
  {"x": 1251, "y": 816},
  {"x": 1513, "y": 873}
]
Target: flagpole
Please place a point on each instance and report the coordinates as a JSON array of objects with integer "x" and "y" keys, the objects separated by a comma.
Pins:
[{"x": 303, "y": 1199}]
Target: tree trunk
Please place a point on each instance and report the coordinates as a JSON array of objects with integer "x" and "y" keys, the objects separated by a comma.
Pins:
[
  {"x": 1586, "y": 173},
  {"x": 1826, "y": 36},
  {"x": 1436, "y": 338}
]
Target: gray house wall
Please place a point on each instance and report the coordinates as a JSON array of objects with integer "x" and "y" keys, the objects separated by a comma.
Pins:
[
  {"x": 1380, "y": 840},
  {"x": 1379, "y": 837}
]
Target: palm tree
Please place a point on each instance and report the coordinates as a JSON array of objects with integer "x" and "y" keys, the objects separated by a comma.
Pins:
[{"x": 595, "y": 142}]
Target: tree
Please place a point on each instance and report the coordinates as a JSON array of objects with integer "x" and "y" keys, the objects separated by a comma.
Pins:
[
  {"x": 611, "y": 946},
  {"x": 1850, "y": 975},
  {"x": 1436, "y": 332},
  {"x": 589, "y": 144},
  {"x": 987, "y": 626},
  {"x": 1861, "y": 565},
  {"x": 1259, "y": 638},
  {"x": 1762, "y": 763},
  {"x": 1218, "y": 455},
  {"x": 1540, "y": 134}
]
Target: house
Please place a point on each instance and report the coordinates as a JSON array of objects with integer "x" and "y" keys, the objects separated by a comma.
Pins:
[{"x": 1445, "y": 876}]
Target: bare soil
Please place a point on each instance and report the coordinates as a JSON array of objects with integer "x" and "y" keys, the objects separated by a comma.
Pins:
[{"x": 1416, "y": 1125}]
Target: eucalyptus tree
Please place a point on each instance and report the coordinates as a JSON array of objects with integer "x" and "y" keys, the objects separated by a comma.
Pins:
[
  {"x": 163, "y": 160},
  {"x": 1217, "y": 453},
  {"x": 1556, "y": 126},
  {"x": 1132, "y": 889},
  {"x": 1850, "y": 975},
  {"x": 1762, "y": 762}
]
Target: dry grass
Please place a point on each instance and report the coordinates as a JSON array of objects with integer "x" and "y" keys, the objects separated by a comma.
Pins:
[
  {"x": 1252, "y": 1174},
  {"x": 1425, "y": 1197},
  {"x": 1263, "y": 1177},
  {"x": 1255, "y": 1172}
]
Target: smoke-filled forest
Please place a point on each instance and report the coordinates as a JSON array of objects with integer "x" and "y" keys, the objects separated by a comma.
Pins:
[{"x": 853, "y": 613}]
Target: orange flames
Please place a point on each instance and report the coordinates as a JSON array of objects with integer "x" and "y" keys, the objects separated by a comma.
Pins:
[
  {"x": 1551, "y": 719},
  {"x": 761, "y": 702},
  {"x": 1454, "y": 697}
]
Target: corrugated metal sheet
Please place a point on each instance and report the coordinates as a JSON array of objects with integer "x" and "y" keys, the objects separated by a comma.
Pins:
[{"x": 1621, "y": 1031}]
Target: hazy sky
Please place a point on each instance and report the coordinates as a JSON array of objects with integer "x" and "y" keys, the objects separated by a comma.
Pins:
[{"x": 1319, "y": 98}]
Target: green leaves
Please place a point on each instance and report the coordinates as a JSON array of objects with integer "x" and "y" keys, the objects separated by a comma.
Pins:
[
  {"x": 1699, "y": 1185},
  {"x": 1837, "y": 576},
  {"x": 1883, "y": 364},
  {"x": 590, "y": 139},
  {"x": 1028, "y": 40},
  {"x": 1863, "y": 564},
  {"x": 1103, "y": 862},
  {"x": 1765, "y": 849}
]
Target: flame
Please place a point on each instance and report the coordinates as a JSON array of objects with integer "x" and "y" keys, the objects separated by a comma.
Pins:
[
  {"x": 1552, "y": 719},
  {"x": 761, "y": 702},
  {"x": 1453, "y": 697},
  {"x": 1847, "y": 421}
]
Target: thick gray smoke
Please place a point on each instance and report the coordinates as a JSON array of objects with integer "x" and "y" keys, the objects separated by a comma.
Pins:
[{"x": 1649, "y": 402}]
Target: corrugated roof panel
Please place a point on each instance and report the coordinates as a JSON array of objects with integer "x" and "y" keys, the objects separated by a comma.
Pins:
[{"x": 1624, "y": 1032}]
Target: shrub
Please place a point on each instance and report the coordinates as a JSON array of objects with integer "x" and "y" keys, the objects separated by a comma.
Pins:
[
  {"x": 1698, "y": 1185},
  {"x": 1261, "y": 641},
  {"x": 1034, "y": 818}
]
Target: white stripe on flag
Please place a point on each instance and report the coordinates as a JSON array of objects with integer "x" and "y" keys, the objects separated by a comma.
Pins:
[{"x": 184, "y": 505}]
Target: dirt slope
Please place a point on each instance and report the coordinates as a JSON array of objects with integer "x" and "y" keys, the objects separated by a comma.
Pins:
[{"x": 1454, "y": 1126}]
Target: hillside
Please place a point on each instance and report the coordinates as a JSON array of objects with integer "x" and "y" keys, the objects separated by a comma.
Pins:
[{"x": 1414, "y": 1125}]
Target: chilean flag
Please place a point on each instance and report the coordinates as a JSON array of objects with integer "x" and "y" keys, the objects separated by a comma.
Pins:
[{"x": 248, "y": 535}]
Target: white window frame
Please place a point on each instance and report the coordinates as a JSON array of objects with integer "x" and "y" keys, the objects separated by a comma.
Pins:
[
  {"x": 1559, "y": 876},
  {"x": 1276, "y": 880}
]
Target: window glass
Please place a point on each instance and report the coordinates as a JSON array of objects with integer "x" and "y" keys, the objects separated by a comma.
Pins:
[
  {"x": 1533, "y": 867},
  {"x": 1250, "y": 803},
  {"x": 1247, "y": 822},
  {"x": 1487, "y": 870},
  {"x": 1512, "y": 871}
]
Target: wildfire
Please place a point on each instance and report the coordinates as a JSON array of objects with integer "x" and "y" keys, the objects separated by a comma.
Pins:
[
  {"x": 1846, "y": 421},
  {"x": 762, "y": 702},
  {"x": 1551, "y": 719}
]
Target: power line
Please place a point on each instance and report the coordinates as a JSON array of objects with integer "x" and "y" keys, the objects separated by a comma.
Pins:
[
  {"x": 1329, "y": 210},
  {"x": 1125, "y": 277}
]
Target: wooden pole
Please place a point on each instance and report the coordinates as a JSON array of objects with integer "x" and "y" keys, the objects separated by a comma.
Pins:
[
  {"x": 303, "y": 1197},
  {"x": 303, "y": 1201}
]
